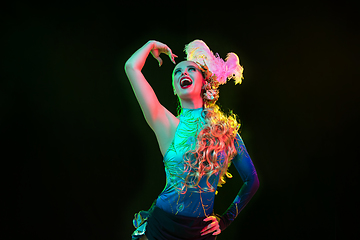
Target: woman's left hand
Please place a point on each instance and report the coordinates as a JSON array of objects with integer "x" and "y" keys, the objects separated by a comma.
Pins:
[{"x": 213, "y": 227}]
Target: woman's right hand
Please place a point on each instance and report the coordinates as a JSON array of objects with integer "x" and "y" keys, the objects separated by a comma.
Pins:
[{"x": 159, "y": 48}]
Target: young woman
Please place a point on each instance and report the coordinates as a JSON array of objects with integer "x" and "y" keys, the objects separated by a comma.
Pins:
[{"x": 197, "y": 146}]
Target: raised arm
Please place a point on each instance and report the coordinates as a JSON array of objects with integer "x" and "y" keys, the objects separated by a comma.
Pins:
[{"x": 159, "y": 118}]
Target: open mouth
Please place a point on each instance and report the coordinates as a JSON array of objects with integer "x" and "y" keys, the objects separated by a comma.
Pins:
[{"x": 185, "y": 82}]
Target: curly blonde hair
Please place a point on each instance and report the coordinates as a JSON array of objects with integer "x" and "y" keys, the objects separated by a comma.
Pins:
[{"x": 214, "y": 149}]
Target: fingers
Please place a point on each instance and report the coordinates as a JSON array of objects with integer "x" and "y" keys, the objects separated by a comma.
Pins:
[
  {"x": 171, "y": 55},
  {"x": 162, "y": 48},
  {"x": 212, "y": 227},
  {"x": 159, "y": 60},
  {"x": 217, "y": 232},
  {"x": 168, "y": 52},
  {"x": 156, "y": 54}
]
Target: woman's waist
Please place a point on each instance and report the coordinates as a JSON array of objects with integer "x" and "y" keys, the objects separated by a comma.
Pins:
[
  {"x": 191, "y": 204},
  {"x": 164, "y": 225}
]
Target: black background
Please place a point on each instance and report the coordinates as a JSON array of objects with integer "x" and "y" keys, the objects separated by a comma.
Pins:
[{"x": 79, "y": 159}]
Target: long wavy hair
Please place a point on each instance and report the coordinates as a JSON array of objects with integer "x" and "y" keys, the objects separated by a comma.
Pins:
[{"x": 214, "y": 149}]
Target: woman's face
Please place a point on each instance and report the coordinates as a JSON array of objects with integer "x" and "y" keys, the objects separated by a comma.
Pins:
[{"x": 187, "y": 80}]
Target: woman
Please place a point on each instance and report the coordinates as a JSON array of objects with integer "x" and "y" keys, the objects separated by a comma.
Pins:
[{"x": 197, "y": 146}]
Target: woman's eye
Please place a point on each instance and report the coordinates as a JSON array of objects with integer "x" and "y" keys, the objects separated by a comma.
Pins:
[
  {"x": 176, "y": 72},
  {"x": 192, "y": 69}
]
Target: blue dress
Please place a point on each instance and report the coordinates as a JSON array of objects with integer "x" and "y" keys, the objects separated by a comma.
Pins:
[{"x": 194, "y": 202}]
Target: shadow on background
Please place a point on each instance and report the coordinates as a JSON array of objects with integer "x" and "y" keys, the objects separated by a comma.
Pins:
[{"x": 80, "y": 159}]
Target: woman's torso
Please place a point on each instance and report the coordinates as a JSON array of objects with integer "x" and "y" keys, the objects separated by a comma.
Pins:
[{"x": 174, "y": 198}]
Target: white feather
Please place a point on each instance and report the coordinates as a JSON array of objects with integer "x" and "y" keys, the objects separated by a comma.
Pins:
[{"x": 199, "y": 52}]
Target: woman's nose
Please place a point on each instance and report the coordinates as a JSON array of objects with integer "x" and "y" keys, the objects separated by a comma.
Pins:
[{"x": 184, "y": 72}]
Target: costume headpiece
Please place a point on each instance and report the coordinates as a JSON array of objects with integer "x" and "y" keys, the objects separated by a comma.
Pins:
[{"x": 217, "y": 71}]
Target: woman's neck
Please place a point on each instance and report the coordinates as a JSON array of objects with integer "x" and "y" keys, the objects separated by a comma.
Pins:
[{"x": 192, "y": 104}]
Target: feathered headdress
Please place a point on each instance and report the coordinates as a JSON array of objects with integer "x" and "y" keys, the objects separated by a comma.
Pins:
[{"x": 217, "y": 71}]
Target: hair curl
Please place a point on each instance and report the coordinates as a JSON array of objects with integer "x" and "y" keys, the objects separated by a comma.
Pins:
[{"x": 214, "y": 149}]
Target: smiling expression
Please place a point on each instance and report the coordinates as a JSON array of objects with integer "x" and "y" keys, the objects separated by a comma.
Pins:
[{"x": 187, "y": 80}]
